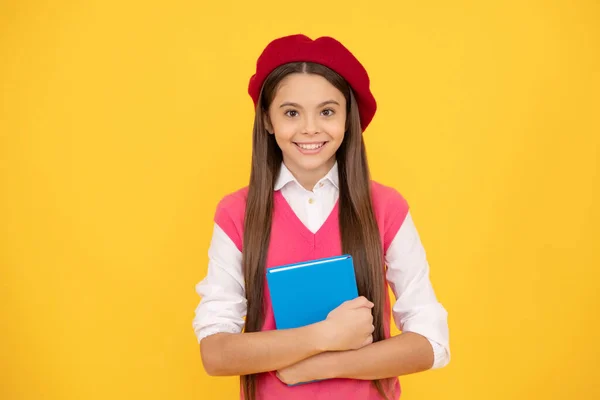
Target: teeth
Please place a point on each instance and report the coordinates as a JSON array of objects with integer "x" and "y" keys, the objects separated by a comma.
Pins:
[{"x": 313, "y": 146}]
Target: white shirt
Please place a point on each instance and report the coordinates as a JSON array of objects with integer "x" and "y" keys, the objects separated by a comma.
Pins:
[{"x": 416, "y": 309}]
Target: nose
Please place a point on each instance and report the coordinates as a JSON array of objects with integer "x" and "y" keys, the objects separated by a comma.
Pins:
[{"x": 310, "y": 125}]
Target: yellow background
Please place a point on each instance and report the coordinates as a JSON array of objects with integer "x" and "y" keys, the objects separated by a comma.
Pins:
[{"x": 123, "y": 123}]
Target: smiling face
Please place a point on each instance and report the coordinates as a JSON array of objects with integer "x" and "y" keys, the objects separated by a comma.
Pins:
[{"x": 308, "y": 118}]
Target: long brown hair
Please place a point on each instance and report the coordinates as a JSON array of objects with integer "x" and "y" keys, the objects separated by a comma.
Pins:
[{"x": 359, "y": 232}]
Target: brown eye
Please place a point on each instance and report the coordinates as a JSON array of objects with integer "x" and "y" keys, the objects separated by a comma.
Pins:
[
  {"x": 328, "y": 113},
  {"x": 291, "y": 113}
]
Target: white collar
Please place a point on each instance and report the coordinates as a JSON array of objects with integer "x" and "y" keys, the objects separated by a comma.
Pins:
[{"x": 285, "y": 177}]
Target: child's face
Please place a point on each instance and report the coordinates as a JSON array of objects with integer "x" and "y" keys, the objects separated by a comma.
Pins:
[{"x": 308, "y": 119}]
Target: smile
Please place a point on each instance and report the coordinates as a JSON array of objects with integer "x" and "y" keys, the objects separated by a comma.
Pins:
[{"x": 310, "y": 146}]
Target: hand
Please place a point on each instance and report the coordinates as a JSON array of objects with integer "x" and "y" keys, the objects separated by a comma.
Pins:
[
  {"x": 311, "y": 369},
  {"x": 293, "y": 374},
  {"x": 349, "y": 326}
]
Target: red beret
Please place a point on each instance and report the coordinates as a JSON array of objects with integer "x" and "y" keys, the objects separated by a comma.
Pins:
[{"x": 324, "y": 50}]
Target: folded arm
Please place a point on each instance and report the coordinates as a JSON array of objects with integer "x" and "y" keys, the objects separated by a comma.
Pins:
[
  {"x": 228, "y": 354},
  {"x": 423, "y": 343},
  {"x": 219, "y": 321}
]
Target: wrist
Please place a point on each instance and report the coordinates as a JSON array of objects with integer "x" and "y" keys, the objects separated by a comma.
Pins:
[
  {"x": 332, "y": 365},
  {"x": 319, "y": 336}
]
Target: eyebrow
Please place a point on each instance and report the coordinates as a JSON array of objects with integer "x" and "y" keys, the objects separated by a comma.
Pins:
[{"x": 290, "y": 104}]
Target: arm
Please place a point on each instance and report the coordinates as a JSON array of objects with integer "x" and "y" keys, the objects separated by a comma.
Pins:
[
  {"x": 423, "y": 321},
  {"x": 349, "y": 326},
  {"x": 377, "y": 361},
  {"x": 227, "y": 354},
  {"x": 219, "y": 322},
  {"x": 220, "y": 315},
  {"x": 417, "y": 308}
]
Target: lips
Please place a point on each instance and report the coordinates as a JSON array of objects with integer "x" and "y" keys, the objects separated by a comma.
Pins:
[{"x": 310, "y": 146}]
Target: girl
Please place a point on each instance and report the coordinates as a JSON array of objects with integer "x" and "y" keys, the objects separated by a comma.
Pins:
[{"x": 309, "y": 197}]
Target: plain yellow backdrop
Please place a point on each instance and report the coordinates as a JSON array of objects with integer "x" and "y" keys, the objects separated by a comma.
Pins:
[{"x": 123, "y": 123}]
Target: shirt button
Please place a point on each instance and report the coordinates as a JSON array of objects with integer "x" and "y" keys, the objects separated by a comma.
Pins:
[{"x": 311, "y": 200}]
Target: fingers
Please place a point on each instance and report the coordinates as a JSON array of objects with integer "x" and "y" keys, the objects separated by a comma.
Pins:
[
  {"x": 360, "y": 301},
  {"x": 368, "y": 341}
]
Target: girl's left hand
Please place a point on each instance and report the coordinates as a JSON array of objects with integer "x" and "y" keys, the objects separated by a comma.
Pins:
[{"x": 311, "y": 369}]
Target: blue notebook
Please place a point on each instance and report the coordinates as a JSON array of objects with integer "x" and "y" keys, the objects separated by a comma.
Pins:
[{"x": 304, "y": 293}]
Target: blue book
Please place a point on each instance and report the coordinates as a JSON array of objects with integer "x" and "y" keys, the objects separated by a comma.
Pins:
[{"x": 305, "y": 293}]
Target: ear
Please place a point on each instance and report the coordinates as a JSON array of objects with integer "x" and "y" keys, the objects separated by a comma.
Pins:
[{"x": 267, "y": 123}]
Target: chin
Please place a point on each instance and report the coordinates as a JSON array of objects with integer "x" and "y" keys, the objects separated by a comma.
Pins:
[{"x": 311, "y": 165}]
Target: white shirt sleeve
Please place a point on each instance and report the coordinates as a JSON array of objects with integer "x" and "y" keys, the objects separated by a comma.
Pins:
[
  {"x": 416, "y": 308},
  {"x": 222, "y": 307}
]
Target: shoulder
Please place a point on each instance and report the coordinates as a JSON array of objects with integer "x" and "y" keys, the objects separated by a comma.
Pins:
[
  {"x": 230, "y": 213},
  {"x": 234, "y": 201},
  {"x": 390, "y": 208},
  {"x": 387, "y": 196}
]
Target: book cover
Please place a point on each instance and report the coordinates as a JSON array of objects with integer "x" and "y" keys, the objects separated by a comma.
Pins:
[{"x": 306, "y": 292}]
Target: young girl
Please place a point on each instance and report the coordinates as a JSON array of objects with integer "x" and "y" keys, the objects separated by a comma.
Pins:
[{"x": 309, "y": 197}]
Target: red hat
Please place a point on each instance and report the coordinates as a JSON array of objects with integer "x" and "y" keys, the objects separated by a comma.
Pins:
[{"x": 324, "y": 50}]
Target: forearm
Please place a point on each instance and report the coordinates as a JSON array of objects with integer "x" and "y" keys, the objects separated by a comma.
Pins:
[
  {"x": 227, "y": 354},
  {"x": 400, "y": 355}
]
